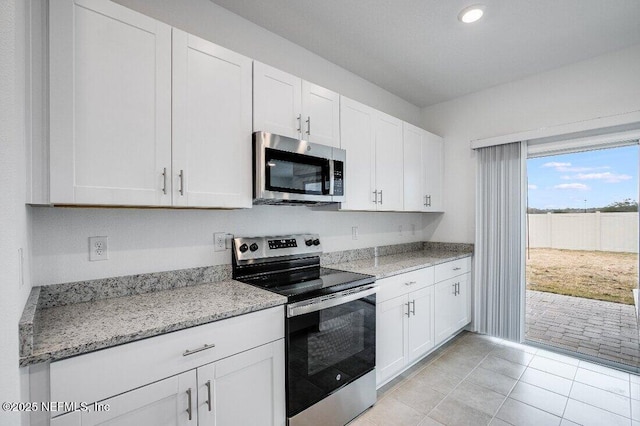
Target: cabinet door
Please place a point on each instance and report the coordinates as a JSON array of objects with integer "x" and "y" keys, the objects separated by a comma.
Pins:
[
  {"x": 445, "y": 305},
  {"x": 461, "y": 313},
  {"x": 70, "y": 419},
  {"x": 168, "y": 402},
  {"x": 244, "y": 389},
  {"x": 389, "y": 158},
  {"x": 110, "y": 105},
  {"x": 414, "y": 173},
  {"x": 357, "y": 138},
  {"x": 421, "y": 331},
  {"x": 320, "y": 115},
  {"x": 211, "y": 124},
  {"x": 433, "y": 171},
  {"x": 277, "y": 98},
  {"x": 391, "y": 337}
]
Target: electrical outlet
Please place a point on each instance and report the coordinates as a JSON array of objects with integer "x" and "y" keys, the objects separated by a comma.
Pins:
[
  {"x": 219, "y": 241},
  {"x": 98, "y": 248},
  {"x": 354, "y": 232}
]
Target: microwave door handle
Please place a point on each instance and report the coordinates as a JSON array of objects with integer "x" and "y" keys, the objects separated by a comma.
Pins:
[{"x": 331, "y": 177}]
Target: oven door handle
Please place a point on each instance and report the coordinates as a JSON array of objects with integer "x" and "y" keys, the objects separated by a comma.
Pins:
[{"x": 313, "y": 305}]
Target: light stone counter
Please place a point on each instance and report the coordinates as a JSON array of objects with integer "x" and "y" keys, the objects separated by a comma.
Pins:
[
  {"x": 67, "y": 330},
  {"x": 386, "y": 266}
]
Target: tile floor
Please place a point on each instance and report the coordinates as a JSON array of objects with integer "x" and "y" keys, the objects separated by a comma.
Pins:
[{"x": 478, "y": 380}]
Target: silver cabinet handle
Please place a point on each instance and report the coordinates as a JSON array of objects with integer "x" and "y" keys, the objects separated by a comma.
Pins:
[
  {"x": 299, "y": 118},
  {"x": 411, "y": 283},
  {"x": 195, "y": 351},
  {"x": 408, "y": 310},
  {"x": 381, "y": 196},
  {"x": 457, "y": 268},
  {"x": 375, "y": 194},
  {"x": 308, "y": 121},
  {"x": 413, "y": 311},
  {"x": 181, "y": 176},
  {"x": 454, "y": 288},
  {"x": 208, "y": 385},
  {"x": 427, "y": 200},
  {"x": 164, "y": 180},
  {"x": 189, "y": 407}
]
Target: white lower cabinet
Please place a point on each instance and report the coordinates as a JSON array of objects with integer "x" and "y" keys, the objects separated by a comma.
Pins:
[
  {"x": 404, "y": 321},
  {"x": 236, "y": 377},
  {"x": 245, "y": 389},
  {"x": 414, "y": 315},
  {"x": 453, "y": 306}
]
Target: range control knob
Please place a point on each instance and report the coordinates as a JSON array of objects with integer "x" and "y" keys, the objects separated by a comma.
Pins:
[
  {"x": 316, "y": 242},
  {"x": 308, "y": 242},
  {"x": 253, "y": 247},
  {"x": 244, "y": 248}
]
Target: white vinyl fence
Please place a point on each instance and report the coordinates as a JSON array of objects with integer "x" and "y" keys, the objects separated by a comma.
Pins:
[{"x": 585, "y": 231}]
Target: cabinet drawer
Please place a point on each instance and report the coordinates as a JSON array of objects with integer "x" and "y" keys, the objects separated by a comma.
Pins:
[
  {"x": 404, "y": 283},
  {"x": 447, "y": 270},
  {"x": 98, "y": 375}
]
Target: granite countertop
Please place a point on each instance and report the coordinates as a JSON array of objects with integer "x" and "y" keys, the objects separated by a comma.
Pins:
[
  {"x": 387, "y": 266},
  {"x": 63, "y": 331},
  {"x": 68, "y": 319}
]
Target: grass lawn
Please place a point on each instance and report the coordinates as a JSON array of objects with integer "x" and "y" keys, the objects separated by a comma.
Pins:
[{"x": 590, "y": 274}]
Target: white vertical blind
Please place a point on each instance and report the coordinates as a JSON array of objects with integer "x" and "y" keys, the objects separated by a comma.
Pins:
[{"x": 499, "y": 246}]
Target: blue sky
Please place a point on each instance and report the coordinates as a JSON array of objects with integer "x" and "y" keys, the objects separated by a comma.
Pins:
[{"x": 601, "y": 177}]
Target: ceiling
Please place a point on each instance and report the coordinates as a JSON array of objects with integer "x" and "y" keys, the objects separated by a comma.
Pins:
[{"x": 418, "y": 50}]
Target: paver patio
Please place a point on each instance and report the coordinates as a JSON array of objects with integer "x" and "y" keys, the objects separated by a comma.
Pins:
[{"x": 602, "y": 329}]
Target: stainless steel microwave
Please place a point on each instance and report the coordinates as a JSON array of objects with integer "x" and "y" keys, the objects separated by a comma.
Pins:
[{"x": 292, "y": 171}]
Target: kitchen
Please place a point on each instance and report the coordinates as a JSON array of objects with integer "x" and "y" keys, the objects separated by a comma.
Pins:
[{"x": 53, "y": 241}]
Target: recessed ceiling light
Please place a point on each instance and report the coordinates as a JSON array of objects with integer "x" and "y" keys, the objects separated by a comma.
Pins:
[{"x": 471, "y": 14}]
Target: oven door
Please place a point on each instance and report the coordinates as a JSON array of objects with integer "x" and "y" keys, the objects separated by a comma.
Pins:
[{"x": 330, "y": 343}]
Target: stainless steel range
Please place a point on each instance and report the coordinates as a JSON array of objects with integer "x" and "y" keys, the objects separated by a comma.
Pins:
[{"x": 330, "y": 326}]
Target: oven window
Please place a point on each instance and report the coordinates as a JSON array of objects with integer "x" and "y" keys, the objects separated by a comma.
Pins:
[
  {"x": 297, "y": 173},
  {"x": 328, "y": 349}
]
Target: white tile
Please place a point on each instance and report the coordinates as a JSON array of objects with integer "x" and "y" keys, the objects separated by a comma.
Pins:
[
  {"x": 539, "y": 398},
  {"x": 609, "y": 401},
  {"x": 502, "y": 366},
  {"x": 547, "y": 381},
  {"x": 635, "y": 410},
  {"x": 566, "y": 422},
  {"x": 604, "y": 370},
  {"x": 558, "y": 357},
  {"x": 588, "y": 415},
  {"x": 635, "y": 378},
  {"x": 635, "y": 391},
  {"x": 603, "y": 381},
  {"x": 554, "y": 367},
  {"x": 518, "y": 413},
  {"x": 512, "y": 354}
]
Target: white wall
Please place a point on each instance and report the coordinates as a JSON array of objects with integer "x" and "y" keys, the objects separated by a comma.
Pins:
[
  {"x": 147, "y": 240},
  {"x": 150, "y": 240},
  {"x": 602, "y": 86},
  {"x": 212, "y": 22},
  {"x": 13, "y": 214}
]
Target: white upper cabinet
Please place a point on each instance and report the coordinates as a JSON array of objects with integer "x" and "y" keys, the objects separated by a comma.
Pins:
[
  {"x": 357, "y": 138},
  {"x": 433, "y": 161},
  {"x": 422, "y": 170},
  {"x": 287, "y": 105},
  {"x": 110, "y": 105},
  {"x": 320, "y": 115},
  {"x": 389, "y": 159},
  {"x": 373, "y": 141},
  {"x": 277, "y": 99},
  {"x": 140, "y": 120},
  {"x": 211, "y": 124}
]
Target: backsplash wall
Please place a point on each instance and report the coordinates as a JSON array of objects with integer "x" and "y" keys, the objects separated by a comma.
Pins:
[{"x": 152, "y": 240}]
